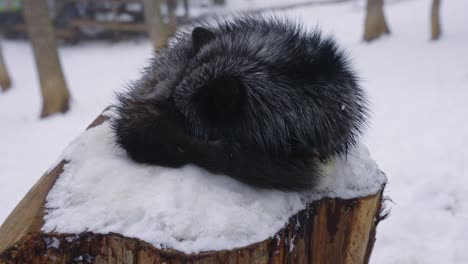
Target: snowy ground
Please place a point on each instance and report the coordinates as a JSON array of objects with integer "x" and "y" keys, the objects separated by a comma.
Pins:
[{"x": 419, "y": 132}]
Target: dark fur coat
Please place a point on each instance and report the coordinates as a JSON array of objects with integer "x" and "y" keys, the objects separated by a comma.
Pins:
[{"x": 257, "y": 99}]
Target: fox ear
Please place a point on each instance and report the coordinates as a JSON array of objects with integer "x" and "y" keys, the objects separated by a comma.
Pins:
[{"x": 200, "y": 37}]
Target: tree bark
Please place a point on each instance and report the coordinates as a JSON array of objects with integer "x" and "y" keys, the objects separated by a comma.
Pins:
[
  {"x": 156, "y": 28},
  {"x": 435, "y": 20},
  {"x": 5, "y": 81},
  {"x": 327, "y": 231},
  {"x": 54, "y": 90},
  {"x": 375, "y": 24}
]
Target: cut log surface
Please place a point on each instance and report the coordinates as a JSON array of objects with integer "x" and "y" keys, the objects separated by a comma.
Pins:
[{"x": 326, "y": 231}]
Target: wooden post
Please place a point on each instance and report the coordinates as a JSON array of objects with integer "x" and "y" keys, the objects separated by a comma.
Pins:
[{"x": 327, "y": 231}]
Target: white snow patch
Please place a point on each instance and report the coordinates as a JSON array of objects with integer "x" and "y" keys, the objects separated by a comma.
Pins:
[
  {"x": 188, "y": 209},
  {"x": 291, "y": 245},
  {"x": 72, "y": 238},
  {"x": 86, "y": 258},
  {"x": 52, "y": 242}
]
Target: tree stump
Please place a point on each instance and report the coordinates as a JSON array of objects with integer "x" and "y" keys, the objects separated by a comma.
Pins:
[{"x": 326, "y": 231}]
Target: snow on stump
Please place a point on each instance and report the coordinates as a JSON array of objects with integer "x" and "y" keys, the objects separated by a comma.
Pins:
[{"x": 97, "y": 206}]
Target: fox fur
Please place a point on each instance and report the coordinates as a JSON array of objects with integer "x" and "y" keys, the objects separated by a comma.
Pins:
[{"x": 259, "y": 99}]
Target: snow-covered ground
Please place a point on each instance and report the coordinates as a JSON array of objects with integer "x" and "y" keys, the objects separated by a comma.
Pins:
[{"x": 419, "y": 132}]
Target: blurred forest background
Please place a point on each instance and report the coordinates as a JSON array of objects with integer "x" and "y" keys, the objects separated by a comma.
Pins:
[
  {"x": 61, "y": 61},
  {"x": 44, "y": 22}
]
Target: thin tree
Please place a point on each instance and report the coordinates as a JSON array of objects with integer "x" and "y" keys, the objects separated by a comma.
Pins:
[
  {"x": 435, "y": 20},
  {"x": 219, "y": 2},
  {"x": 156, "y": 28},
  {"x": 171, "y": 8},
  {"x": 186, "y": 9},
  {"x": 54, "y": 90},
  {"x": 5, "y": 81},
  {"x": 375, "y": 24}
]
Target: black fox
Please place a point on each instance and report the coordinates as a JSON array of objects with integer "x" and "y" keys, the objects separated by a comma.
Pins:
[{"x": 258, "y": 99}]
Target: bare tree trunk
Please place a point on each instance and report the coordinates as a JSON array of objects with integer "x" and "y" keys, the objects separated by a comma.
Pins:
[
  {"x": 435, "y": 20},
  {"x": 375, "y": 24},
  {"x": 171, "y": 8},
  {"x": 156, "y": 28},
  {"x": 186, "y": 9},
  {"x": 219, "y": 2},
  {"x": 55, "y": 94},
  {"x": 5, "y": 81}
]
